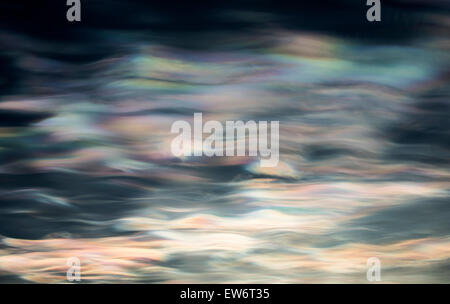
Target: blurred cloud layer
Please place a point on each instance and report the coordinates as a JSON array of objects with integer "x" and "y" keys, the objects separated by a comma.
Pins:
[{"x": 86, "y": 169}]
